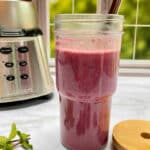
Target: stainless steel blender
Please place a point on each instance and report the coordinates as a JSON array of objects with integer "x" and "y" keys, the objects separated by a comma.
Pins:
[{"x": 24, "y": 72}]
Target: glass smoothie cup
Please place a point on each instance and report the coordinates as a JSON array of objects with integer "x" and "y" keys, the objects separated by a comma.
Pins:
[{"x": 87, "y": 62}]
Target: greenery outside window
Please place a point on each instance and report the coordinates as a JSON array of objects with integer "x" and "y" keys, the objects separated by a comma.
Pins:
[{"x": 136, "y": 38}]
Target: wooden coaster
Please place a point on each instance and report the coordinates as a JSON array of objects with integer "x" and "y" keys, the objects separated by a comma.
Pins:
[{"x": 132, "y": 135}]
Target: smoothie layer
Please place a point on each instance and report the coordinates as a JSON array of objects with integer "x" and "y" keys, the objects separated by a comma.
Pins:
[{"x": 86, "y": 81}]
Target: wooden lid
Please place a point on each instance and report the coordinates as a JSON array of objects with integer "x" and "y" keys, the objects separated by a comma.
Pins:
[{"x": 132, "y": 135}]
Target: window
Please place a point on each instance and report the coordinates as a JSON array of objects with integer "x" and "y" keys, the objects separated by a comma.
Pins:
[
  {"x": 135, "y": 51},
  {"x": 136, "y": 38},
  {"x": 137, "y": 29}
]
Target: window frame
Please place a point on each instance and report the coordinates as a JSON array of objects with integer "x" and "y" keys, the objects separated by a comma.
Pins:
[
  {"x": 44, "y": 15},
  {"x": 132, "y": 68}
]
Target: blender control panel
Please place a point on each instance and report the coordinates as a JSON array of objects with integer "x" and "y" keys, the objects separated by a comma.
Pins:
[
  {"x": 7, "y": 51},
  {"x": 15, "y": 68}
]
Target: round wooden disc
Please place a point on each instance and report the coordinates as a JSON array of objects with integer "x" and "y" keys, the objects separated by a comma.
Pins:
[{"x": 132, "y": 135}]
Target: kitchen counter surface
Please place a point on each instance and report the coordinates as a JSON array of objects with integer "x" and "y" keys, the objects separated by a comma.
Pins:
[{"x": 40, "y": 117}]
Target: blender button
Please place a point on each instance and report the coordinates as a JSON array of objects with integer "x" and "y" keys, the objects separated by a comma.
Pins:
[
  {"x": 23, "y": 63},
  {"x": 10, "y": 78},
  {"x": 24, "y": 76},
  {"x": 23, "y": 49},
  {"x": 9, "y": 64},
  {"x": 6, "y": 50}
]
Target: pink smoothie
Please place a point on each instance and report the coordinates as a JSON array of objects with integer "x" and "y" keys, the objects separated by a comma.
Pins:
[{"x": 86, "y": 81}]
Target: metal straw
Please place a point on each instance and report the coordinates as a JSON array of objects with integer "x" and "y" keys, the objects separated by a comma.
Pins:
[{"x": 108, "y": 6}]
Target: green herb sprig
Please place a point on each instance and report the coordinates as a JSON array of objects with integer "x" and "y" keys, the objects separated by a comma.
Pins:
[{"x": 10, "y": 142}]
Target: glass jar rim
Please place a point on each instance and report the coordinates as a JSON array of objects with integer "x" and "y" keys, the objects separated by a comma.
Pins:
[{"x": 62, "y": 18}]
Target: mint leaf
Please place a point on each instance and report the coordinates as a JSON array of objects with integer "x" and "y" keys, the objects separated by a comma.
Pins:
[
  {"x": 3, "y": 141},
  {"x": 9, "y": 146},
  {"x": 13, "y": 132},
  {"x": 24, "y": 141},
  {"x": 27, "y": 146},
  {"x": 10, "y": 142},
  {"x": 23, "y": 136}
]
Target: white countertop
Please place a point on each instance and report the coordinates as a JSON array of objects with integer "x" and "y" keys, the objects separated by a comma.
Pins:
[{"x": 40, "y": 118}]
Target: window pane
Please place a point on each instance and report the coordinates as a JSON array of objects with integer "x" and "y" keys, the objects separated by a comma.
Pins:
[
  {"x": 87, "y": 6},
  {"x": 143, "y": 40},
  {"x": 52, "y": 43},
  {"x": 144, "y": 9},
  {"x": 128, "y": 9},
  {"x": 127, "y": 43},
  {"x": 59, "y": 6}
]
